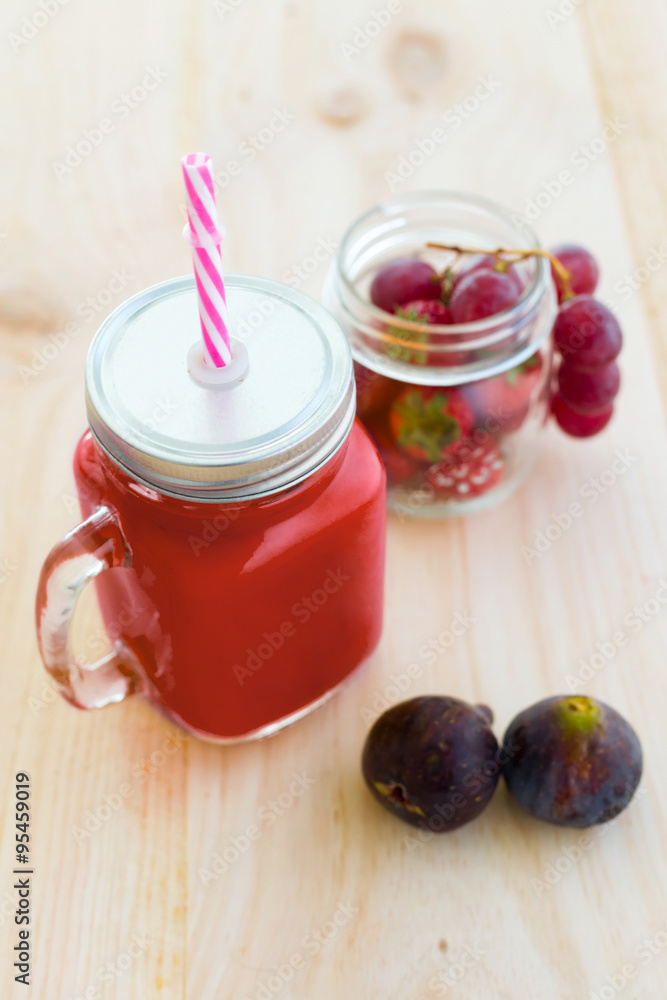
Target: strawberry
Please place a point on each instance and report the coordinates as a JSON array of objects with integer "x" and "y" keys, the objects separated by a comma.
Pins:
[
  {"x": 425, "y": 312},
  {"x": 506, "y": 398},
  {"x": 469, "y": 471},
  {"x": 433, "y": 313},
  {"x": 426, "y": 421},
  {"x": 399, "y": 464}
]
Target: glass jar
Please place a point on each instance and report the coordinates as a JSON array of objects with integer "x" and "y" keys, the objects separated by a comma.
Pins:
[
  {"x": 491, "y": 378},
  {"x": 235, "y": 533}
]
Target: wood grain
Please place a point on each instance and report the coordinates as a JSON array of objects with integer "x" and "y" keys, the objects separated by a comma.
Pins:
[{"x": 511, "y": 898}]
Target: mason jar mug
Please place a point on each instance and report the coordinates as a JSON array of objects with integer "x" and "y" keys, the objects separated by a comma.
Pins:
[{"x": 235, "y": 533}]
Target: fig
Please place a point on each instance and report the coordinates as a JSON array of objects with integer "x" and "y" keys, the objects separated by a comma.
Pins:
[
  {"x": 571, "y": 760},
  {"x": 432, "y": 761}
]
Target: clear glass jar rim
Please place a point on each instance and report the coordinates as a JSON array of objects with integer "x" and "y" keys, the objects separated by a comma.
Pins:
[
  {"x": 508, "y": 337},
  {"x": 475, "y": 201}
]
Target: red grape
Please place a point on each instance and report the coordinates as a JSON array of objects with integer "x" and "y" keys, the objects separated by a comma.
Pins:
[
  {"x": 587, "y": 334},
  {"x": 487, "y": 262},
  {"x": 589, "y": 392},
  {"x": 482, "y": 293},
  {"x": 581, "y": 264},
  {"x": 580, "y": 425},
  {"x": 403, "y": 280}
]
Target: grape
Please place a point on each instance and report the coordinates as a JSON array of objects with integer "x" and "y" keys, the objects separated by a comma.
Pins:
[
  {"x": 579, "y": 425},
  {"x": 587, "y": 334},
  {"x": 589, "y": 392},
  {"x": 581, "y": 264},
  {"x": 482, "y": 293},
  {"x": 487, "y": 262},
  {"x": 404, "y": 280}
]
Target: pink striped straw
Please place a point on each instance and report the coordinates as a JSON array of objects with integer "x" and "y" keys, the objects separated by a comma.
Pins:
[{"x": 205, "y": 234}]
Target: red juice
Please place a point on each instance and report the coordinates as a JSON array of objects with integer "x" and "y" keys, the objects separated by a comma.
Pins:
[{"x": 286, "y": 592}]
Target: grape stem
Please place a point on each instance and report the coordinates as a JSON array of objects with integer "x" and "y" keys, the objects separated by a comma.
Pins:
[{"x": 502, "y": 253}]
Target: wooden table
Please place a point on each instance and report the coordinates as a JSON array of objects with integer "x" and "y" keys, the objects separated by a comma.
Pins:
[{"x": 507, "y": 908}]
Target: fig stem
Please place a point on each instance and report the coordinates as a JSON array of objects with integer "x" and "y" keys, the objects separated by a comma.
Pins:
[{"x": 561, "y": 271}]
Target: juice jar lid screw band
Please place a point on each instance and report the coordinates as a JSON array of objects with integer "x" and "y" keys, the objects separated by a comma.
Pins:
[{"x": 285, "y": 416}]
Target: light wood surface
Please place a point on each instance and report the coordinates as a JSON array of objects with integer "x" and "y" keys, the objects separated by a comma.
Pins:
[{"x": 411, "y": 912}]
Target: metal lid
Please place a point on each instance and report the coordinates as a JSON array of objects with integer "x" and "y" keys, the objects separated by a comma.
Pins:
[{"x": 288, "y": 414}]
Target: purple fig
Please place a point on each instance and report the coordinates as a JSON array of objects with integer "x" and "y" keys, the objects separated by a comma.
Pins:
[
  {"x": 433, "y": 761},
  {"x": 571, "y": 760}
]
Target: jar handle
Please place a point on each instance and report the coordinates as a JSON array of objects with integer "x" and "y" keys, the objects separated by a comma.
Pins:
[{"x": 93, "y": 546}]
